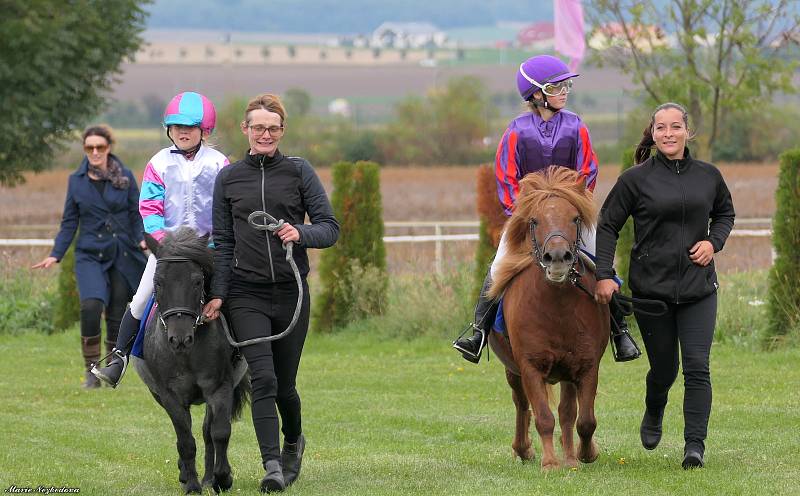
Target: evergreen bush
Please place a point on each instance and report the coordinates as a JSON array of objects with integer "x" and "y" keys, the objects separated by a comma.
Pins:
[
  {"x": 784, "y": 277},
  {"x": 625, "y": 240},
  {"x": 353, "y": 272},
  {"x": 68, "y": 306}
]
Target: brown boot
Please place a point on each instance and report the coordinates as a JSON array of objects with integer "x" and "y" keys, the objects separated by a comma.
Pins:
[{"x": 91, "y": 354}]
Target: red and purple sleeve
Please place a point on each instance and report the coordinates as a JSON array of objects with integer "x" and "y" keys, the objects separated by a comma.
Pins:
[
  {"x": 587, "y": 159},
  {"x": 507, "y": 170}
]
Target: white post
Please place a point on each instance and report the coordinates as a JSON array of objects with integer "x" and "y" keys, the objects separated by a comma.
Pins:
[{"x": 438, "y": 231}]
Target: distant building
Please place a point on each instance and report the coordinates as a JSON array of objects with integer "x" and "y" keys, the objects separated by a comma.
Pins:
[
  {"x": 613, "y": 34},
  {"x": 538, "y": 35},
  {"x": 407, "y": 35}
]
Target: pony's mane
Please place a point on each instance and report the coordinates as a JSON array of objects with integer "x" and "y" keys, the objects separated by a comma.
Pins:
[
  {"x": 183, "y": 242},
  {"x": 535, "y": 190}
]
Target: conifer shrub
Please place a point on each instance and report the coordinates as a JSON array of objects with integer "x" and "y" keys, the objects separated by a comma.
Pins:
[
  {"x": 68, "y": 306},
  {"x": 784, "y": 276},
  {"x": 353, "y": 272}
]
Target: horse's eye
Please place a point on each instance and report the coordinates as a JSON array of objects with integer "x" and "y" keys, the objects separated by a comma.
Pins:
[{"x": 576, "y": 220}]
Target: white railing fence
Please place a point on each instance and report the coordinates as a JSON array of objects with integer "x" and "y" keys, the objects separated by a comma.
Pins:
[{"x": 438, "y": 236}]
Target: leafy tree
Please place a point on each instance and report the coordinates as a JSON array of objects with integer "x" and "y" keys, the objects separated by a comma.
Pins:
[
  {"x": 57, "y": 61},
  {"x": 447, "y": 127},
  {"x": 712, "y": 55},
  {"x": 297, "y": 102}
]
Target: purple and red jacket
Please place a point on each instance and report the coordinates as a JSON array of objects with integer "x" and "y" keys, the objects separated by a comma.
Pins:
[{"x": 531, "y": 144}]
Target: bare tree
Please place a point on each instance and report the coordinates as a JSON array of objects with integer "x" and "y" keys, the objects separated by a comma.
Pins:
[{"x": 711, "y": 55}]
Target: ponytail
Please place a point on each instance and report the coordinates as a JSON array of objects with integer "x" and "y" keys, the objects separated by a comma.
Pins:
[{"x": 645, "y": 145}]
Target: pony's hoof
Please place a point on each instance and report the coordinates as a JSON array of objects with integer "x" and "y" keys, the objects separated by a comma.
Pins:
[
  {"x": 526, "y": 454},
  {"x": 222, "y": 482},
  {"x": 571, "y": 462},
  {"x": 588, "y": 455},
  {"x": 550, "y": 465},
  {"x": 192, "y": 487}
]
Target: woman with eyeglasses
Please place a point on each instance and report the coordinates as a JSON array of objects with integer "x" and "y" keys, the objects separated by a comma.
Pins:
[
  {"x": 546, "y": 135},
  {"x": 102, "y": 207},
  {"x": 257, "y": 285}
]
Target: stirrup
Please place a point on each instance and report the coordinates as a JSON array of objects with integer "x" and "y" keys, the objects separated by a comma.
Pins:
[
  {"x": 632, "y": 341},
  {"x": 98, "y": 372},
  {"x": 468, "y": 354}
]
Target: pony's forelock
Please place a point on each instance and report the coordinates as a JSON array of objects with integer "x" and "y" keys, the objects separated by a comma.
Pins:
[
  {"x": 535, "y": 190},
  {"x": 184, "y": 242}
]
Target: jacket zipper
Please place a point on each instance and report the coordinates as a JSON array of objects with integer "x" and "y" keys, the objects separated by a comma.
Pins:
[
  {"x": 266, "y": 233},
  {"x": 683, "y": 218}
]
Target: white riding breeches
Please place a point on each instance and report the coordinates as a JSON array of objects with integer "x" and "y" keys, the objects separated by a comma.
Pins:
[{"x": 145, "y": 289}]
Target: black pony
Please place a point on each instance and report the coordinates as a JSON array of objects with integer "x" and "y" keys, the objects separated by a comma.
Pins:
[{"x": 188, "y": 362}]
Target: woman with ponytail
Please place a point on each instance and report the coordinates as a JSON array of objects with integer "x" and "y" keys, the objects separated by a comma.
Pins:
[{"x": 682, "y": 213}]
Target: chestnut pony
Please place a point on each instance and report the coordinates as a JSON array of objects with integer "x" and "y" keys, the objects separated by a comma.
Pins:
[{"x": 556, "y": 332}]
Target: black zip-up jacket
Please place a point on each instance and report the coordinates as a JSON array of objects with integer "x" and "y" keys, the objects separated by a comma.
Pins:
[
  {"x": 286, "y": 188},
  {"x": 671, "y": 202}
]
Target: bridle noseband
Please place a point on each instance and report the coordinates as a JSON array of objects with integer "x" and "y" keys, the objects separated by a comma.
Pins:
[
  {"x": 538, "y": 251},
  {"x": 178, "y": 311}
]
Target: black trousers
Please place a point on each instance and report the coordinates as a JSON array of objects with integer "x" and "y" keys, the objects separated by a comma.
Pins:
[
  {"x": 92, "y": 308},
  {"x": 258, "y": 310},
  {"x": 688, "y": 327}
]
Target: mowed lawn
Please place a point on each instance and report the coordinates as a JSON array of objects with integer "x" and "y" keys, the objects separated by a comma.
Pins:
[{"x": 398, "y": 417}]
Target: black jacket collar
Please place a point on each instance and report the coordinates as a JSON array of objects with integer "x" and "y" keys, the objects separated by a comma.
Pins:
[
  {"x": 258, "y": 161},
  {"x": 675, "y": 165}
]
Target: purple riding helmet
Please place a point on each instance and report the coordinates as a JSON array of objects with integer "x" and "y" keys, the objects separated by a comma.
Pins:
[{"x": 536, "y": 72}]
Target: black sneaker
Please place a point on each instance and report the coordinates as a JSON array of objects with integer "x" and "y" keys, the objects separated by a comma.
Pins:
[
  {"x": 650, "y": 430},
  {"x": 112, "y": 373},
  {"x": 273, "y": 481},
  {"x": 692, "y": 458},
  {"x": 292, "y": 458}
]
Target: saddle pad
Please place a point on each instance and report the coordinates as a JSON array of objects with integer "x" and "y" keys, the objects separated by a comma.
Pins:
[
  {"x": 149, "y": 315},
  {"x": 499, "y": 320}
]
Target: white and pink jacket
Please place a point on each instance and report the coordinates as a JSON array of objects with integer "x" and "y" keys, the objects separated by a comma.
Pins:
[{"x": 178, "y": 192}]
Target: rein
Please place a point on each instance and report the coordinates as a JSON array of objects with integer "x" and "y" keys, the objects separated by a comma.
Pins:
[{"x": 263, "y": 221}]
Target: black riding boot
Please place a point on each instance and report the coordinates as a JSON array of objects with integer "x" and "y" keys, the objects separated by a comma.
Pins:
[
  {"x": 485, "y": 313},
  {"x": 113, "y": 372},
  {"x": 622, "y": 342}
]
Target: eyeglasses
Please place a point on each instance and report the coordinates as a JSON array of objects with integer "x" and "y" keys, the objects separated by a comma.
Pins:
[
  {"x": 259, "y": 130},
  {"x": 92, "y": 148},
  {"x": 559, "y": 88}
]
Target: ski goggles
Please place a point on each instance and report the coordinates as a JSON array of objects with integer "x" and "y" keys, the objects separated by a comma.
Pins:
[{"x": 559, "y": 88}]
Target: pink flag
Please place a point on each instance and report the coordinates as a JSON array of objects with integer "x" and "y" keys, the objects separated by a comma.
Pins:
[{"x": 569, "y": 40}]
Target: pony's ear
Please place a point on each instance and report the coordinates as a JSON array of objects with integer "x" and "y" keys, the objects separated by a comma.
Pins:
[
  {"x": 204, "y": 239},
  {"x": 152, "y": 244}
]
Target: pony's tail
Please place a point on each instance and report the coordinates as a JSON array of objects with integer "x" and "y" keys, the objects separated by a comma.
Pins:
[{"x": 241, "y": 396}]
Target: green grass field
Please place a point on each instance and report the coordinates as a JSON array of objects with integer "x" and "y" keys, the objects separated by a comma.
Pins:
[{"x": 398, "y": 417}]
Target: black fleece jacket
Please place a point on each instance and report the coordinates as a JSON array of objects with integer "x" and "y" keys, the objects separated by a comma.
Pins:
[
  {"x": 286, "y": 188},
  {"x": 671, "y": 202}
]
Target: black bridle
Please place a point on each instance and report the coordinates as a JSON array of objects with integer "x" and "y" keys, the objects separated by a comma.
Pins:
[
  {"x": 538, "y": 252},
  {"x": 179, "y": 311}
]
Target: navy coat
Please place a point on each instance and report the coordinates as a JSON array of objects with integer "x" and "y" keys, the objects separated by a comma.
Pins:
[{"x": 109, "y": 231}]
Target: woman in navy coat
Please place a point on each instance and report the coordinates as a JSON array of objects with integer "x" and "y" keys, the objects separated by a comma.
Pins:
[{"x": 102, "y": 205}]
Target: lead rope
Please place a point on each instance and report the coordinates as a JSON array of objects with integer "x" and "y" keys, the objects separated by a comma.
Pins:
[{"x": 270, "y": 223}]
